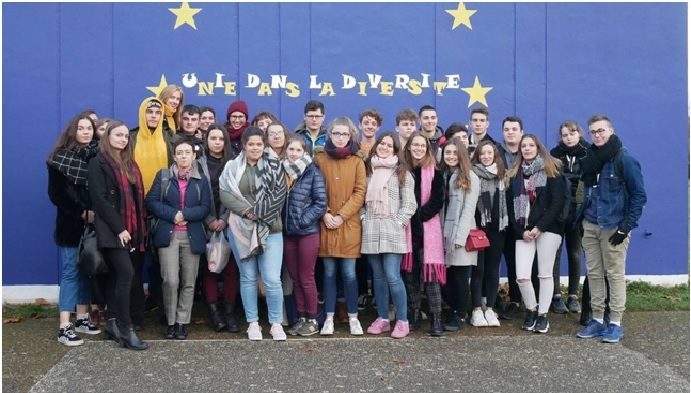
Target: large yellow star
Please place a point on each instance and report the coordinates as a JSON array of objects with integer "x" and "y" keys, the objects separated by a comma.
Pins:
[
  {"x": 161, "y": 85},
  {"x": 477, "y": 93},
  {"x": 461, "y": 16},
  {"x": 184, "y": 15}
]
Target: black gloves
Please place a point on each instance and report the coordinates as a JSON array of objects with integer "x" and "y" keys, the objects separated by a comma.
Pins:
[{"x": 618, "y": 237}]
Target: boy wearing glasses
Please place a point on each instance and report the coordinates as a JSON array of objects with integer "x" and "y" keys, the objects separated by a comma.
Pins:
[
  {"x": 614, "y": 201},
  {"x": 312, "y": 128}
]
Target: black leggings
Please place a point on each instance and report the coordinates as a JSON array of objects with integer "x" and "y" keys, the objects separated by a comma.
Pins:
[
  {"x": 118, "y": 290},
  {"x": 485, "y": 276},
  {"x": 457, "y": 286},
  {"x": 573, "y": 238}
]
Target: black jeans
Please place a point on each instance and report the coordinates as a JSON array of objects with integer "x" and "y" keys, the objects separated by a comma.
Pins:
[
  {"x": 457, "y": 288},
  {"x": 485, "y": 276},
  {"x": 509, "y": 252},
  {"x": 119, "y": 288},
  {"x": 137, "y": 297},
  {"x": 572, "y": 237}
]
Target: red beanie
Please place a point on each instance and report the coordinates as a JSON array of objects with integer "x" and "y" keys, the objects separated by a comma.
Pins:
[{"x": 238, "y": 106}]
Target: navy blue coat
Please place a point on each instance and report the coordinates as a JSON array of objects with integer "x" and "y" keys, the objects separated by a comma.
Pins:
[
  {"x": 305, "y": 203},
  {"x": 197, "y": 207}
]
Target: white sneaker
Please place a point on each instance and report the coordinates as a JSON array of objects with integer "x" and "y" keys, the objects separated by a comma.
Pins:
[
  {"x": 254, "y": 332},
  {"x": 355, "y": 327},
  {"x": 478, "y": 319},
  {"x": 491, "y": 318},
  {"x": 277, "y": 332},
  {"x": 328, "y": 328}
]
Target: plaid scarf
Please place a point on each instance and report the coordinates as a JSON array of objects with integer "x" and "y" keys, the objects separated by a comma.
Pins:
[
  {"x": 251, "y": 236},
  {"x": 489, "y": 186},
  {"x": 134, "y": 223},
  {"x": 74, "y": 163},
  {"x": 295, "y": 169},
  {"x": 524, "y": 192}
]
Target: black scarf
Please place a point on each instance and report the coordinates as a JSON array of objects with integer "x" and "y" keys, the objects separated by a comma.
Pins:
[
  {"x": 73, "y": 163},
  {"x": 596, "y": 157}
]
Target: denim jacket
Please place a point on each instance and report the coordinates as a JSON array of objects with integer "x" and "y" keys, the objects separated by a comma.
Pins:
[{"x": 621, "y": 201}]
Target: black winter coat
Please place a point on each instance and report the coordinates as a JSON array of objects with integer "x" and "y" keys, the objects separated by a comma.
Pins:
[
  {"x": 544, "y": 213},
  {"x": 305, "y": 203},
  {"x": 106, "y": 200},
  {"x": 71, "y": 200}
]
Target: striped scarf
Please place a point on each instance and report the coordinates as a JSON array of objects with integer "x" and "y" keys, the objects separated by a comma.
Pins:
[
  {"x": 134, "y": 223},
  {"x": 524, "y": 187},
  {"x": 295, "y": 169}
]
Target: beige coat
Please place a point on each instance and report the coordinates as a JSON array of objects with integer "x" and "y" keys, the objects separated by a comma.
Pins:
[{"x": 459, "y": 219}]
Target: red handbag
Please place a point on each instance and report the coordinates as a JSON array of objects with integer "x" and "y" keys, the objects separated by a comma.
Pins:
[{"x": 477, "y": 240}]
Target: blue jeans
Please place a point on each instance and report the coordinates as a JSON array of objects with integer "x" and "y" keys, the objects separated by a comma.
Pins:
[
  {"x": 386, "y": 271},
  {"x": 269, "y": 265},
  {"x": 75, "y": 287},
  {"x": 349, "y": 282}
]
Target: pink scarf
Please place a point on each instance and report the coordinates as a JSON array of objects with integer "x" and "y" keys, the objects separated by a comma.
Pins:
[
  {"x": 433, "y": 246},
  {"x": 377, "y": 196}
]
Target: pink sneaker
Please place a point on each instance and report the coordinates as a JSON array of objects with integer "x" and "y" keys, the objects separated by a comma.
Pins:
[
  {"x": 379, "y": 326},
  {"x": 400, "y": 330}
]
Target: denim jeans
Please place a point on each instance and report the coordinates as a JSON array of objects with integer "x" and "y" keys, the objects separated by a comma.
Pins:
[
  {"x": 269, "y": 265},
  {"x": 386, "y": 271},
  {"x": 75, "y": 287},
  {"x": 349, "y": 283}
]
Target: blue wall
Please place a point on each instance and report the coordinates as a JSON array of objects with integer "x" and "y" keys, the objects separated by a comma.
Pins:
[{"x": 544, "y": 62}]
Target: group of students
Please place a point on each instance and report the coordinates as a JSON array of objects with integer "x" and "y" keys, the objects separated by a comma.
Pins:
[{"x": 404, "y": 201}]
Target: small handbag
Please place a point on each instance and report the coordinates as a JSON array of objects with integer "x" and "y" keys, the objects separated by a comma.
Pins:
[
  {"x": 90, "y": 260},
  {"x": 217, "y": 252},
  {"x": 477, "y": 240}
]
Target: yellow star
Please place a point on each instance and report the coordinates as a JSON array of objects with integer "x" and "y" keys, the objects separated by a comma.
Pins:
[
  {"x": 184, "y": 15},
  {"x": 477, "y": 93},
  {"x": 161, "y": 85},
  {"x": 461, "y": 16}
]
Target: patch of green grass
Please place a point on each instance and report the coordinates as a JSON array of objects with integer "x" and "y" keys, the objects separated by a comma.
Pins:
[
  {"x": 26, "y": 311},
  {"x": 642, "y": 296}
]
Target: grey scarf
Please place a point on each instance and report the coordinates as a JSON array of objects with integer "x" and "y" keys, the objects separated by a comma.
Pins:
[{"x": 489, "y": 185}]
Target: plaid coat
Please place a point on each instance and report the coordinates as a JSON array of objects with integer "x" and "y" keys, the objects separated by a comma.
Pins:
[{"x": 387, "y": 235}]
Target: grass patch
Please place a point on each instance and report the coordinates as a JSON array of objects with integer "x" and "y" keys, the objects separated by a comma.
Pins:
[
  {"x": 642, "y": 296},
  {"x": 26, "y": 311}
]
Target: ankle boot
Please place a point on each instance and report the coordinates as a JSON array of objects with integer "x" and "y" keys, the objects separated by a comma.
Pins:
[
  {"x": 415, "y": 319},
  {"x": 112, "y": 332},
  {"x": 436, "y": 328},
  {"x": 231, "y": 324},
  {"x": 130, "y": 340},
  {"x": 215, "y": 318}
]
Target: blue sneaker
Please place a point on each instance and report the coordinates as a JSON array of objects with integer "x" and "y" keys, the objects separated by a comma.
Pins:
[
  {"x": 593, "y": 329},
  {"x": 614, "y": 334}
]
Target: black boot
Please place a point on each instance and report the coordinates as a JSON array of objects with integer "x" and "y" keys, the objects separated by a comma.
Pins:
[
  {"x": 130, "y": 340},
  {"x": 436, "y": 328},
  {"x": 415, "y": 319},
  {"x": 112, "y": 332},
  {"x": 231, "y": 323},
  {"x": 216, "y": 322}
]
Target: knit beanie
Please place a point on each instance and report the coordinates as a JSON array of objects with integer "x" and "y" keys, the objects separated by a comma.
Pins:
[{"x": 237, "y": 106}]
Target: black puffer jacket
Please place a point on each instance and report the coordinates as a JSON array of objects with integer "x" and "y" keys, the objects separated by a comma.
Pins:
[{"x": 305, "y": 203}]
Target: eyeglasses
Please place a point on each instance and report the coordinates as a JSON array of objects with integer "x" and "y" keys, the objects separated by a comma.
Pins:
[
  {"x": 340, "y": 134},
  {"x": 598, "y": 132},
  {"x": 314, "y": 117},
  {"x": 274, "y": 133}
]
